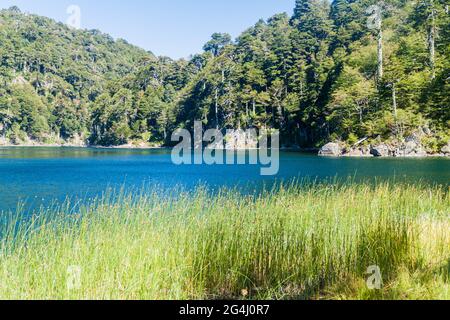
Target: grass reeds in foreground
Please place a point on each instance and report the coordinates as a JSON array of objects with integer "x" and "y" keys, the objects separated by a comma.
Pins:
[{"x": 307, "y": 242}]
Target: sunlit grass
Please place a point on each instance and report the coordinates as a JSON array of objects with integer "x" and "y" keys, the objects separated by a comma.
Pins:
[{"x": 295, "y": 242}]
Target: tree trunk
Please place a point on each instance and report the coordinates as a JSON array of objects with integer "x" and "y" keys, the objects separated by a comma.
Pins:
[
  {"x": 217, "y": 108},
  {"x": 432, "y": 40},
  {"x": 380, "y": 49},
  {"x": 360, "y": 109},
  {"x": 394, "y": 99},
  {"x": 280, "y": 115},
  {"x": 394, "y": 105}
]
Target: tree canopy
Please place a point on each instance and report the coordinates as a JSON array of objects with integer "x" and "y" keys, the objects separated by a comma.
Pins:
[{"x": 313, "y": 75}]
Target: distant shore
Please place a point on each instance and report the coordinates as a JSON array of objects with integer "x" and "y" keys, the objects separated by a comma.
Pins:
[
  {"x": 54, "y": 145},
  {"x": 132, "y": 146}
]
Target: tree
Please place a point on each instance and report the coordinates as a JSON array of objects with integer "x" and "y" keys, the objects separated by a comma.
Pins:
[
  {"x": 312, "y": 75},
  {"x": 429, "y": 14},
  {"x": 312, "y": 18},
  {"x": 351, "y": 100},
  {"x": 350, "y": 21},
  {"x": 66, "y": 119},
  {"x": 217, "y": 43},
  {"x": 376, "y": 23}
]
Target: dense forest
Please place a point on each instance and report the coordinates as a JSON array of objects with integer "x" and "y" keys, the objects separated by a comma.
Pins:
[{"x": 342, "y": 71}]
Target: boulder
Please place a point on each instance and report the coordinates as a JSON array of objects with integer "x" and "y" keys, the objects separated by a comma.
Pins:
[
  {"x": 420, "y": 152},
  {"x": 358, "y": 152},
  {"x": 330, "y": 150},
  {"x": 409, "y": 147},
  {"x": 446, "y": 150},
  {"x": 412, "y": 148},
  {"x": 381, "y": 150},
  {"x": 426, "y": 131},
  {"x": 414, "y": 138},
  {"x": 353, "y": 153}
]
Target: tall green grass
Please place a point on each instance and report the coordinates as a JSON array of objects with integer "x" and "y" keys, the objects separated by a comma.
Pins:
[{"x": 295, "y": 242}]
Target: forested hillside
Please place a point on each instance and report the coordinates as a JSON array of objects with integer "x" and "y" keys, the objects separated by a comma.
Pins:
[
  {"x": 50, "y": 75},
  {"x": 329, "y": 72}
]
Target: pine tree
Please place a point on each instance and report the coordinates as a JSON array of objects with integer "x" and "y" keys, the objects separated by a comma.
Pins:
[{"x": 312, "y": 17}]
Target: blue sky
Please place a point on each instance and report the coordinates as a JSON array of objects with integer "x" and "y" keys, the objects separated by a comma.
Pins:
[{"x": 176, "y": 28}]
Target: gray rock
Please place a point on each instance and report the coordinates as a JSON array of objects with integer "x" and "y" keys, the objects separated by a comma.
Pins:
[
  {"x": 240, "y": 140},
  {"x": 330, "y": 150},
  {"x": 420, "y": 153},
  {"x": 353, "y": 153},
  {"x": 412, "y": 148},
  {"x": 413, "y": 138},
  {"x": 380, "y": 151},
  {"x": 358, "y": 152},
  {"x": 446, "y": 150}
]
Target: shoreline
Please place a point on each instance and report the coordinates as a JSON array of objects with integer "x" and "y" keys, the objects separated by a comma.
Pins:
[
  {"x": 284, "y": 149},
  {"x": 131, "y": 147}
]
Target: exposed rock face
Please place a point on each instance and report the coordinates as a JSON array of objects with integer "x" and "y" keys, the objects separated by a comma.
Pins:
[
  {"x": 381, "y": 150},
  {"x": 216, "y": 145},
  {"x": 446, "y": 150},
  {"x": 359, "y": 152},
  {"x": 411, "y": 148},
  {"x": 235, "y": 140},
  {"x": 240, "y": 140},
  {"x": 77, "y": 141},
  {"x": 330, "y": 150}
]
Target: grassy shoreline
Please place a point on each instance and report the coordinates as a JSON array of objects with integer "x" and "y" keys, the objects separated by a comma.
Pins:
[{"x": 296, "y": 242}]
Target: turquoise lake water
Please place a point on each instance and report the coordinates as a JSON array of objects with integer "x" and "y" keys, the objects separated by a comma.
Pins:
[{"x": 40, "y": 176}]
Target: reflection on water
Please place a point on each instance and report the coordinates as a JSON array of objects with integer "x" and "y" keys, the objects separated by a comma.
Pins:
[{"x": 42, "y": 175}]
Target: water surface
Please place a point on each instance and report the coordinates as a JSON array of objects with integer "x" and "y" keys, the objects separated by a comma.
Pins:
[{"x": 39, "y": 176}]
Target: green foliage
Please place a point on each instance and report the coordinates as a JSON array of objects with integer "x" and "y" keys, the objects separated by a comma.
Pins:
[
  {"x": 50, "y": 74},
  {"x": 217, "y": 43},
  {"x": 312, "y": 76}
]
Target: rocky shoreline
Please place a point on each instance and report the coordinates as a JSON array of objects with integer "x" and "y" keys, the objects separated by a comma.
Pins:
[{"x": 410, "y": 148}]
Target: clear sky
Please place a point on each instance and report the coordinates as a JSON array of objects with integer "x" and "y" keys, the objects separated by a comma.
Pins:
[{"x": 176, "y": 28}]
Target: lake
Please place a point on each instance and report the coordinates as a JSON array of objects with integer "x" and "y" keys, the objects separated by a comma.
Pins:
[{"x": 39, "y": 176}]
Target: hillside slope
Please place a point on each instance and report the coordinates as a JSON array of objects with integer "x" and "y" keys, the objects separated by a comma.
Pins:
[
  {"x": 317, "y": 76},
  {"x": 49, "y": 74}
]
